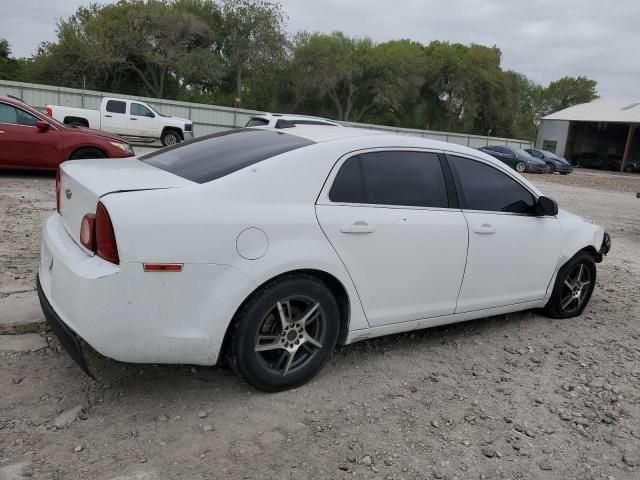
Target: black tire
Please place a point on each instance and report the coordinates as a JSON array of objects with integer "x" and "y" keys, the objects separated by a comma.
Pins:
[
  {"x": 551, "y": 168},
  {"x": 86, "y": 153},
  {"x": 579, "y": 297},
  {"x": 260, "y": 319},
  {"x": 564, "y": 173},
  {"x": 521, "y": 167},
  {"x": 170, "y": 137}
]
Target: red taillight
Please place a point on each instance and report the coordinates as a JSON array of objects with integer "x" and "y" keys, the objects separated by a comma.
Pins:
[
  {"x": 49, "y": 112},
  {"x": 88, "y": 232},
  {"x": 58, "y": 190},
  {"x": 104, "y": 237}
]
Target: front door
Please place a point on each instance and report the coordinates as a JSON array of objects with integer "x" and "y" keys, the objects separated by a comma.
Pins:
[
  {"x": 22, "y": 145},
  {"x": 387, "y": 215},
  {"x": 512, "y": 252},
  {"x": 141, "y": 121}
]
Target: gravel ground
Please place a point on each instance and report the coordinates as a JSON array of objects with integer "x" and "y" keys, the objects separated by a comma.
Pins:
[{"x": 516, "y": 397}]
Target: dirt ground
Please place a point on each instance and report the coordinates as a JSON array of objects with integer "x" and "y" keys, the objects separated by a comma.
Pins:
[{"x": 515, "y": 397}]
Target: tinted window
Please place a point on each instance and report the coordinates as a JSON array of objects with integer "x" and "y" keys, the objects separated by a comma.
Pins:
[
  {"x": 391, "y": 178},
  {"x": 503, "y": 150},
  {"x": 483, "y": 187},
  {"x": 214, "y": 156},
  {"x": 257, "y": 122},
  {"x": 141, "y": 110},
  {"x": 116, "y": 106}
]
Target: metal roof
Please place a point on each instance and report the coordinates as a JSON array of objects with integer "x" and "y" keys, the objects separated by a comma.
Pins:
[{"x": 608, "y": 109}]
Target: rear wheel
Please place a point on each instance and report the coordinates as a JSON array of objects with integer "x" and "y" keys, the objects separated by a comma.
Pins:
[
  {"x": 170, "y": 137},
  {"x": 285, "y": 333},
  {"x": 573, "y": 288},
  {"x": 521, "y": 167},
  {"x": 85, "y": 153}
]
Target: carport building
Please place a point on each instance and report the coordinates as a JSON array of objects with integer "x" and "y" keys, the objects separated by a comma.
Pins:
[{"x": 604, "y": 129}]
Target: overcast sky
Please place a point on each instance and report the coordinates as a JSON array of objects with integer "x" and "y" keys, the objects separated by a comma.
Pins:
[{"x": 544, "y": 39}]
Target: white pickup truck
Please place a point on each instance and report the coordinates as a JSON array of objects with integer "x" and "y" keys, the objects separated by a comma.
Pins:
[{"x": 128, "y": 118}]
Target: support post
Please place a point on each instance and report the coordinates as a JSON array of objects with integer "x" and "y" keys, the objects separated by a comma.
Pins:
[{"x": 627, "y": 148}]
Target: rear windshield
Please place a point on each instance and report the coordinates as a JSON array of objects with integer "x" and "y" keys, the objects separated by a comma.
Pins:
[{"x": 213, "y": 156}]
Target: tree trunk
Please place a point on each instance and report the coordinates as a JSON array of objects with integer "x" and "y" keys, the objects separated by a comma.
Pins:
[{"x": 238, "y": 80}]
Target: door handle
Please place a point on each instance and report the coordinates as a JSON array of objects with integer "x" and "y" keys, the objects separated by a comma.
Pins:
[
  {"x": 484, "y": 229},
  {"x": 108, "y": 116},
  {"x": 131, "y": 118},
  {"x": 358, "y": 227}
]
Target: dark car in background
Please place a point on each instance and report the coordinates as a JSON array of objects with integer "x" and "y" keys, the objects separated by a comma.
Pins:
[
  {"x": 615, "y": 162},
  {"x": 591, "y": 160},
  {"x": 516, "y": 158},
  {"x": 554, "y": 162},
  {"x": 30, "y": 140}
]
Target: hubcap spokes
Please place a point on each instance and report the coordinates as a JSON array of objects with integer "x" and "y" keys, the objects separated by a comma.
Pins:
[
  {"x": 575, "y": 288},
  {"x": 290, "y": 334}
]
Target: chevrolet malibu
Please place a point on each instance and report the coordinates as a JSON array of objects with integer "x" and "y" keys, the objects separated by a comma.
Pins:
[{"x": 270, "y": 248}]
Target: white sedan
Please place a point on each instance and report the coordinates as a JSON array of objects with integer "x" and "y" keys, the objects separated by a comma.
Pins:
[{"x": 270, "y": 248}]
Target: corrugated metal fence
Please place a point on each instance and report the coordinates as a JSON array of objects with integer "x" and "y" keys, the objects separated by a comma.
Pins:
[{"x": 213, "y": 118}]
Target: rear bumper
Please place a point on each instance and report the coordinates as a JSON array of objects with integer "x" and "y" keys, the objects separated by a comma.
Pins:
[
  {"x": 67, "y": 337},
  {"x": 130, "y": 315}
]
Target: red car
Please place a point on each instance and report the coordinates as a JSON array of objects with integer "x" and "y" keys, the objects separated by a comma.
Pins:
[{"x": 30, "y": 140}]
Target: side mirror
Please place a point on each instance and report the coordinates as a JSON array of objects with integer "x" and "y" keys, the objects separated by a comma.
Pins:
[
  {"x": 547, "y": 206},
  {"x": 42, "y": 126}
]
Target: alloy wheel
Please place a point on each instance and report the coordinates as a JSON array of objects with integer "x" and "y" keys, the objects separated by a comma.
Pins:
[
  {"x": 575, "y": 288},
  {"x": 521, "y": 167},
  {"x": 171, "y": 139},
  {"x": 290, "y": 334}
]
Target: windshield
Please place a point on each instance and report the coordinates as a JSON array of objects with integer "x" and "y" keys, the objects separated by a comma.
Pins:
[
  {"x": 213, "y": 156},
  {"x": 525, "y": 154}
]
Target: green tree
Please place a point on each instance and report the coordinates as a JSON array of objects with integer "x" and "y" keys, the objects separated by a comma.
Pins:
[
  {"x": 9, "y": 66},
  {"x": 568, "y": 91},
  {"x": 253, "y": 38}
]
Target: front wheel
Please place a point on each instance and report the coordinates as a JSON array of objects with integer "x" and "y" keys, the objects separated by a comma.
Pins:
[
  {"x": 521, "y": 167},
  {"x": 285, "y": 333},
  {"x": 86, "y": 153},
  {"x": 573, "y": 288},
  {"x": 170, "y": 137}
]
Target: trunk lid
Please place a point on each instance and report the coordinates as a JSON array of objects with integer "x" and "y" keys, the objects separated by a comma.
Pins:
[{"x": 84, "y": 182}]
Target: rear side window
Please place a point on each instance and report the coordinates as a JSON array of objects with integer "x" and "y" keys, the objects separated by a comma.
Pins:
[
  {"x": 412, "y": 179},
  {"x": 257, "y": 122},
  {"x": 116, "y": 106},
  {"x": 483, "y": 187},
  {"x": 213, "y": 156}
]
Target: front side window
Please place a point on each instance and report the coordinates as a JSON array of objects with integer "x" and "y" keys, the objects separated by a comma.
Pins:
[
  {"x": 15, "y": 116},
  {"x": 8, "y": 114},
  {"x": 404, "y": 178},
  {"x": 483, "y": 187},
  {"x": 116, "y": 106},
  {"x": 141, "y": 111}
]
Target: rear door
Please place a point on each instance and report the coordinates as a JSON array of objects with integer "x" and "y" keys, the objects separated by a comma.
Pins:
[
  {"x": 512, "y": 251},
  {"x": 114, "y": 117},
  {"x": 22, "y": 145},
  {"x": 390, "y": 218}
]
